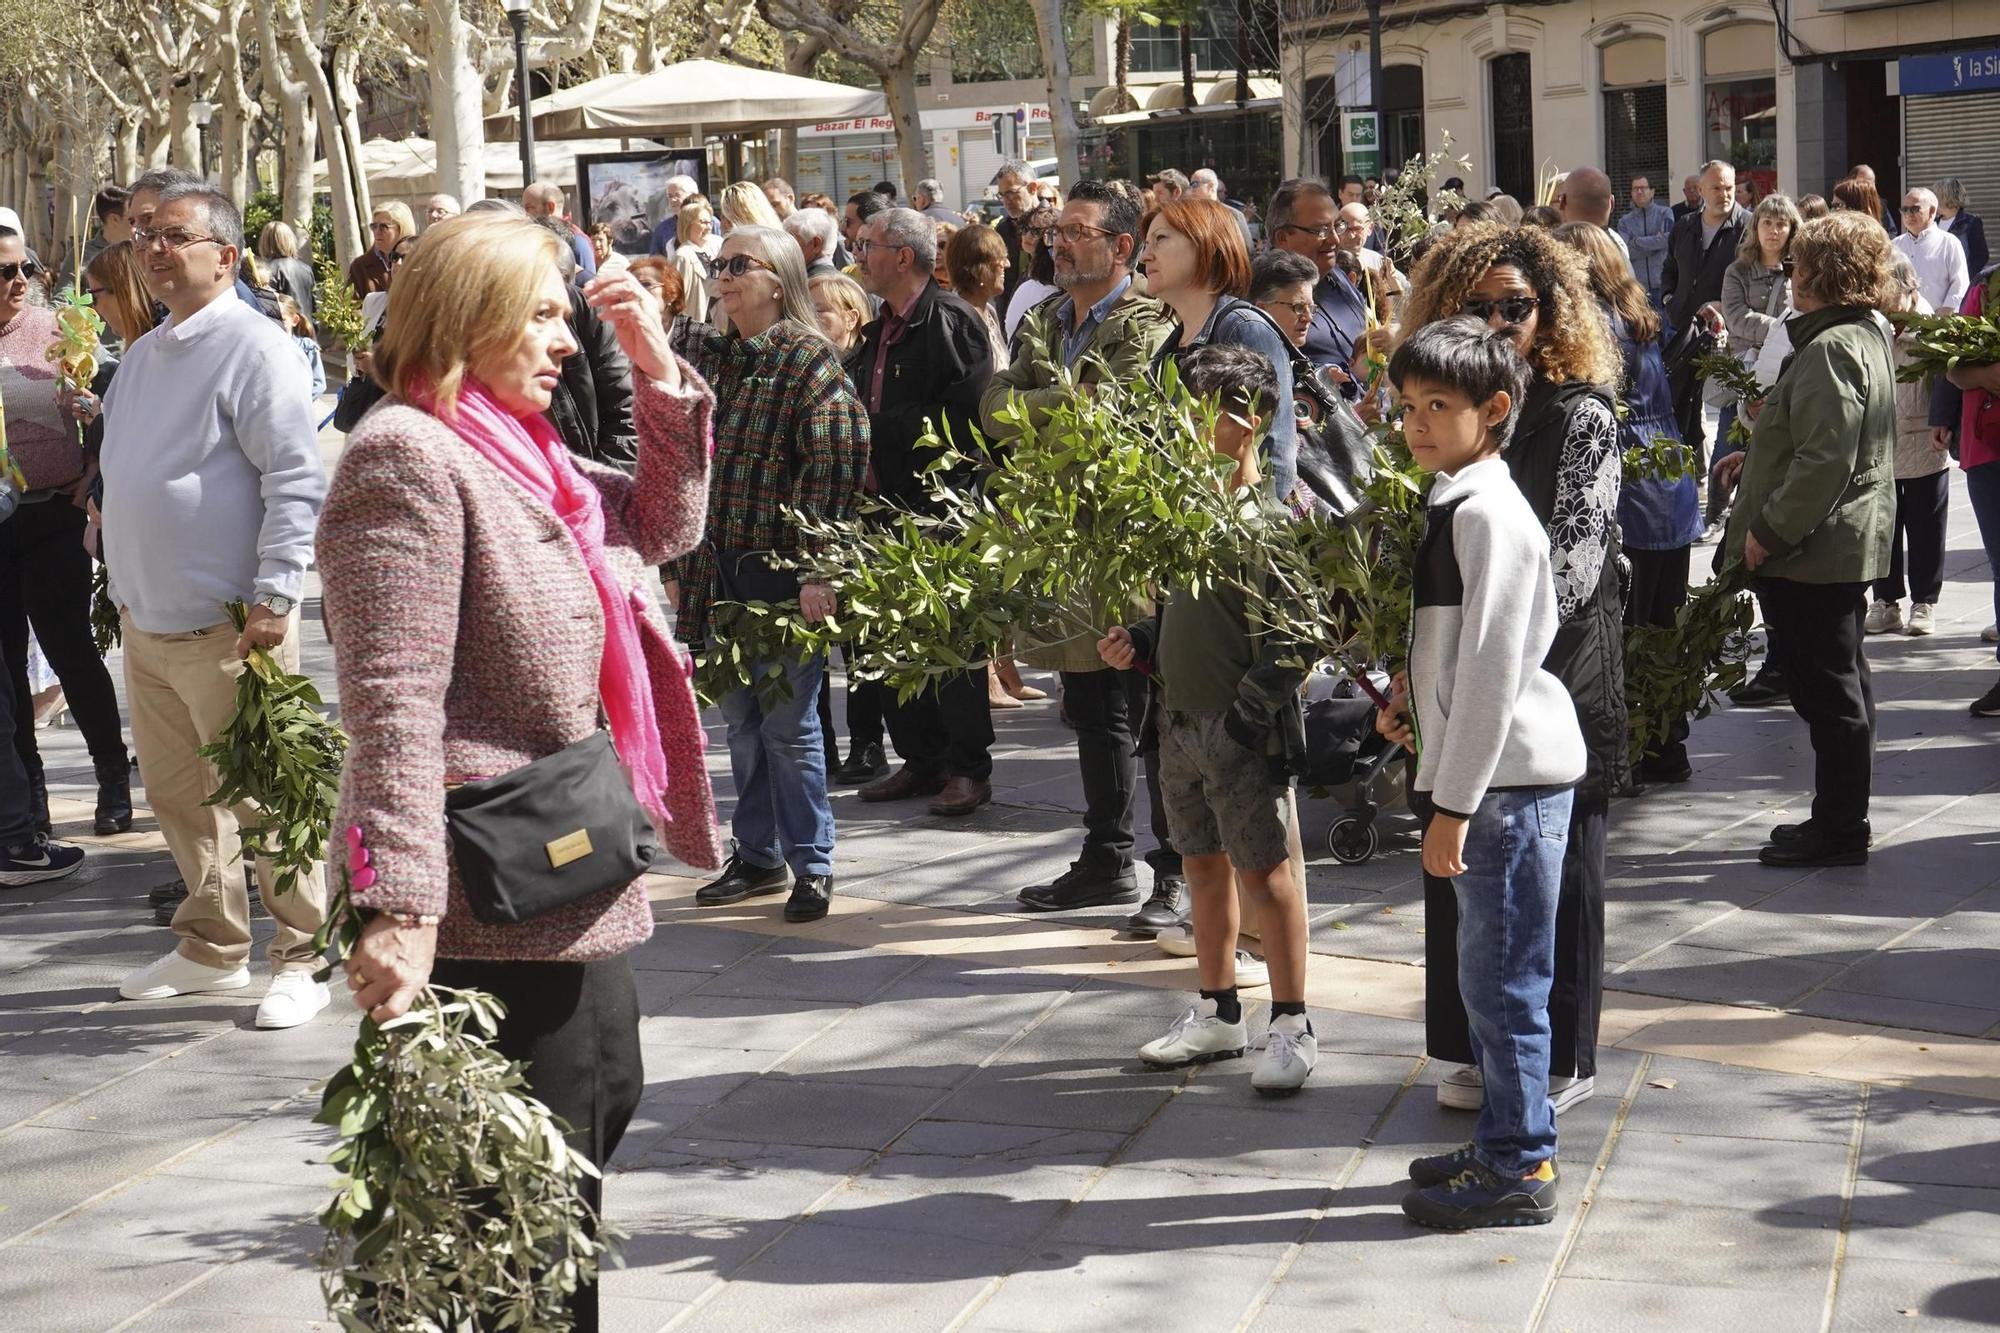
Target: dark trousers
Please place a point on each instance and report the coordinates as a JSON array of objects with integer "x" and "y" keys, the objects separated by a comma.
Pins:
[
  {"x": 864, "y": 714},
  {"x": 18, "y": 811},
  {"x": 1659, "y": 591},
  {"x": 945, "y": 728},
  {"x": 1815, "y": 636},
  {"x": 1982, "y": 484},
  {"x": 576, "y": 1027},
  {"x": 1106, "y": 708},
  {"x": 1576, "y": 1000},
  {"x": 1921, "y": 503},
  {"x": 45, "y": 577}
]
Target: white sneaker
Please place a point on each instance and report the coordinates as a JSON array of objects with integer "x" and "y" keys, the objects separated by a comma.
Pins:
[
  {"x": 1290, "y": 1051},
  {"x": 1196, "y": 1038},
  {"x": 176, "y": 975},
  {"x": 1883, "y": 618},
  {"x": 1251, "y": 970},
  {"x": 1462, "y": 1089},
  {"x": 294, "y": 997},
  {"x": 1923, "y": 618},
  {"x": 1176, "y": 941},
  {"x": 1567, "y": 1092},
  {"x": 1991, "y": 634}
]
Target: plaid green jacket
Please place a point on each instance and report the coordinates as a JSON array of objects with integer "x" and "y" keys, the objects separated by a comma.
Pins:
[{"x": 789, "y": 432}]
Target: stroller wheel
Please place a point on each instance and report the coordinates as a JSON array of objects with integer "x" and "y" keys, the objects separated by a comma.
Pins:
[{"x": 1352, "y": 841}]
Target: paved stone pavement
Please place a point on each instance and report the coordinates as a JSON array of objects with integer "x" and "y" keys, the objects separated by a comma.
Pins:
[{"x": 924, "y": 1113}]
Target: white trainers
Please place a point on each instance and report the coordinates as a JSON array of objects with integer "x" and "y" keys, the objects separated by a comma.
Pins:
[
  {"x": 1923, "y": 618},
  {"x": 1290, "y": 1051},
  {"x": 1176, "y": 941},
  {"x": 1883, "y": 618},
  {"x": 1196, "y": 1037},
  {"x": 1462, "y": 1089},
  {"x": 294, "y": 997},
  {"x": 1251, "y": 970},
  {"x": 1991, "y": 634},
  {"x": 176, "y": 975}
]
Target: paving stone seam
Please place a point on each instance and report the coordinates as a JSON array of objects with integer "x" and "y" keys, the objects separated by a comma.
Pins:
[
  {"x": 199, "y": 1280},
  {"x": 1580, "y": 1211},
  {"x": 1341, "y": 1180},
  {"x": 115, "y": 1079},
  {"x": 1848, "y": 1178},
  {"x": 709, "y": 1294}
]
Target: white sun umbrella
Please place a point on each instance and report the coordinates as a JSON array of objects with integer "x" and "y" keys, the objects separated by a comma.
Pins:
[
  {"x": 379, "y": 156},
  {"x": 719, "y": 98}
]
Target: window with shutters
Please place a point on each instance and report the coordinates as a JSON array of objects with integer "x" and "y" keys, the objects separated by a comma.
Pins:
[
  {"x": 1633, "y": 74},
  {"x": 1513, "y": 117}
]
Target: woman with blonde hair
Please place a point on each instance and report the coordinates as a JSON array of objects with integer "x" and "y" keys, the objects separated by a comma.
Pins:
[
  {"x": 840, "y": 306},
  {"x": 743, "y": 204},
  {"x": 695, "y": 233},
  {"x": 1566, "y": 460},
  {"x": 390, "y": 223},
  {"x": 278, "y": 248},
  {"x": 457, "y": 510}
]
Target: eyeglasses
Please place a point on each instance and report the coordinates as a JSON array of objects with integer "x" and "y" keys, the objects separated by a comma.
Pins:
[
  {"x": 173, "y": 238},
  {"x": 864, "y": 245},
  {"x": 1302, "y": 309},
  {"x": 1912, "y": 208},
  {"x": 1511, "y": 309},
  {"x": 1318, "y": 233},
  {"x": 27, "y": 268},
  {"x": 736, "y": 265},
  {"x": 1076, "y": 233},
  {"x": 383, "y": 226}
]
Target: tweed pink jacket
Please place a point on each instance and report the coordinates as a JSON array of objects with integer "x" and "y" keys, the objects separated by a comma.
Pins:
[{"x": 467, "y": 637}]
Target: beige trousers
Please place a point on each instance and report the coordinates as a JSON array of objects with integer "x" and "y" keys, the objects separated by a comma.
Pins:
[{"x": 181, "y": 689}]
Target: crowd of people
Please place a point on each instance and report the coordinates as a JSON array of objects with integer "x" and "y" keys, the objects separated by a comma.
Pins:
[{"x": 562, "y": 420}]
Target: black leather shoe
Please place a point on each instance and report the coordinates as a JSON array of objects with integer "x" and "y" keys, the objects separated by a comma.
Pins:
[
  {"x": 810, "y": 898},
  {"x": 866, "y": 764},
  {"x": 1783, "y": 835},
  {"x": 1813, "y": 849},
  {"x": 1163, "y": 909},
  {"x": 1764, "y": 688},
  {"x": 1081, "y": 886},
  {"x": 1654, "y": 770},
  {"x": 114, "y": 801},
  {"x": 739, "y": 880}
]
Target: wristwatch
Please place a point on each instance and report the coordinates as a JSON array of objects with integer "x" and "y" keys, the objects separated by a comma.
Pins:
[{"x": 277, "y": 605}]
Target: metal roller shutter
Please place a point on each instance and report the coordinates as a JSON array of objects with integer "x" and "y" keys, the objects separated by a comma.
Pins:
[{"x": 1955, "y": 135}]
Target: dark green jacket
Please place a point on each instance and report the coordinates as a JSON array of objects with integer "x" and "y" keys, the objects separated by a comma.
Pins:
[{"x": 1819, "y": 481}]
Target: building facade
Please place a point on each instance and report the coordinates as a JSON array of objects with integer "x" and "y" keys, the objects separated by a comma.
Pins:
[{"x": 1792, "y": 92}]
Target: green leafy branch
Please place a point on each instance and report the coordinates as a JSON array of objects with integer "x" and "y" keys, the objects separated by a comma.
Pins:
[
  {"x": 337, "y": 310},
  {"x": 105, "y": 628},
  {"x": 1939, "y": 344},
  {"x": 1723, "y": 368},
  {"x": 1678, "y": 671},
  {"x": 1663, "y": 459}
]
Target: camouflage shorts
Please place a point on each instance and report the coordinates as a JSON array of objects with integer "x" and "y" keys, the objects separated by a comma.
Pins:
[{"x": 1219, "y": 796}]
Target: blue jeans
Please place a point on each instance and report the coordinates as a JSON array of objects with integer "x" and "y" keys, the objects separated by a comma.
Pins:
[
  {"x": 1982, "y": 484},
  {"x": 1506, "y": 964},
  {"x": 778, "y": 759}
]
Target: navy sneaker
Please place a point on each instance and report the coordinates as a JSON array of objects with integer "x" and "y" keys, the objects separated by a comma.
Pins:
[
  {"x": 1428, "y": 1171},
  {"x": 38, "y": 859},
  {"x": 1477, "y": 1197}
]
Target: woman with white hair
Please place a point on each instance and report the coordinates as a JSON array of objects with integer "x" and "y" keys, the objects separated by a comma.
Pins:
[
  {"x": 789, "y": 435},
  {"x": 695, "y": 244},
  {"x": 1955, "y": 215}
]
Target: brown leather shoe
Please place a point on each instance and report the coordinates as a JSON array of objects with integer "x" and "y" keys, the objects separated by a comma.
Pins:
[
  {"x": 961, "y": 796},
  {"x": 901, "y": 785}
]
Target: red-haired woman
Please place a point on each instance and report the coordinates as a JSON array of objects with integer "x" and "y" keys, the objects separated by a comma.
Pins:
[{"x": 1197, "y": 265}]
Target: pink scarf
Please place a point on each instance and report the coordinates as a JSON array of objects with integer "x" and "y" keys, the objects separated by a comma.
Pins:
[{"x": 532, "y": 455}]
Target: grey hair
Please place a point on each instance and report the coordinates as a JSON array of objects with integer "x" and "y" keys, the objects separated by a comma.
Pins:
[
  {"x": 219, "y": 217},
  {"x": 1287, "y": 199},
  {"x": 808, "y": 224},
  {"x": 1015, "y": 167},
  {"x": 161, "y": 179},
  {"x": 687, "y": 183},
  {"x": 451, "y": 199},
  {"x": 788, "y": 264},
  {"x": 565, "y": 256},
  {"x": 1717, "y": 164},
  {"x": 1951, "y": 193},
  {"x": 497, "y": 205},
  {"x": 1923, "y": 195},
  {"x": 929, "y": 188},
  {"x": 906, "y": 226},
  {"x": 1204, "y": 176}
]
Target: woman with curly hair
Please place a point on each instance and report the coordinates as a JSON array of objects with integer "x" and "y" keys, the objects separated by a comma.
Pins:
[{"x": 1565, "y": 458}]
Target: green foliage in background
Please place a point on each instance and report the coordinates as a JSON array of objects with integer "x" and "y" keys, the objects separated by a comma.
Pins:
[
  {"x": 1939, "y": 344},
  {"x": 1679, "y": 671}
]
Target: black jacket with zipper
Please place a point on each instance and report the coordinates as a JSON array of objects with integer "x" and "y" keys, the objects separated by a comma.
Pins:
[{"x": 934, "y": 375}]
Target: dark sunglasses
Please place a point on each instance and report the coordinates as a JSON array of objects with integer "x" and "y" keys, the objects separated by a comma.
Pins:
[
  {"x": 27, "y": 268},
  {"x": 735, "y": 266},
  {"x": 1512, "y": 309}
]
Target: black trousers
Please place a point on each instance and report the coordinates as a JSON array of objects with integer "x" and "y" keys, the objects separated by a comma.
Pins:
[
  {"x": 864, "y": 714},
  {"x": 18, "y": 811},
  {"x": 1106, "y": 708},
  {"x": 1659, "y": 590},
  {"x": 1921, "y": 504},
  {"x": 576, "y": 1027},
  {"x": 45, "y": 577},
  {"x": 1576, "y": 1001},
  {"x": 1815, "y": 636},
  {"x": 947, "y": 728}
]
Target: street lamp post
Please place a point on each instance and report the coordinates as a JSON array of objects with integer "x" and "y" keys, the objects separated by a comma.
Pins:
[
  {"x": 517, "y": 18},
  {"x": 204, "y": 114}
]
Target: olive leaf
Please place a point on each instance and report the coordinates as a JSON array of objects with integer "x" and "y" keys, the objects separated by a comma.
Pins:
[
  {"x": 105, "y": 629},
  {"x": 1940, "y": 343},
  {"x": 337, "y": 310},
  {"x": 1677, "y": 671}
]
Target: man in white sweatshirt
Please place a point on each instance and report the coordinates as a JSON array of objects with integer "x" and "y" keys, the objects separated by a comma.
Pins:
[
  {"x": 1935, "y": 253},
  {"x": 212, "y": 489}
]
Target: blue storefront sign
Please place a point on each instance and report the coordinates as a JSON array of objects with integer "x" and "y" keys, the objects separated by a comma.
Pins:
[{"x": 1955, "y": 72}]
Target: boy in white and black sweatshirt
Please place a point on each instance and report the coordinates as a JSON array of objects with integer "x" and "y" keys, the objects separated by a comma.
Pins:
[{"x": 1499, "y": 751}]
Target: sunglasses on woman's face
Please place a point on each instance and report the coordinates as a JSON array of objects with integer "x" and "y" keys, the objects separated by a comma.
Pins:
[
  {"x": 1511, "y": 309},
  {"x": 27, "y": 268},
  {"x": 735, "y": 266}
]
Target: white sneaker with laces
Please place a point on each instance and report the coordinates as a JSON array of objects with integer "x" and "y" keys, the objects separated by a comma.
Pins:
[
  {"x": 1567, "y": 1092},
  {"x": 1197, "y": 1037},
  {"x": 1991, "y": 634},
  {"x": 1883, "y": 618},
  {"x": 1923, "y": 618},
  {"x": 177, "y": 975},
  {"x": 1251, "y": 970},
  {"x": 294, "y": 997},
  {"x": 1462, "y": 1089},
  {"x": 1176, "y": 941},
  {"x": 1290, "y": 1051}
]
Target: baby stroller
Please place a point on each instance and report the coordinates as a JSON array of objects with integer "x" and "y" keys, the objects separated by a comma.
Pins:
[{"x": 1343, "y": 749}]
